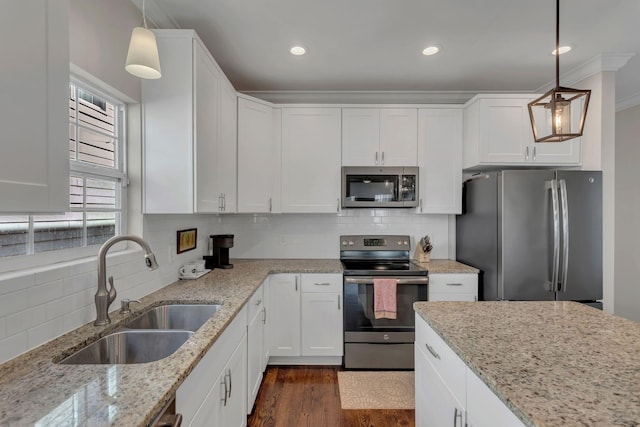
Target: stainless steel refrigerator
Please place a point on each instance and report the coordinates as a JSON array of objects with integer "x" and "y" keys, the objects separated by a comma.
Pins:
[{"x": 534, "y": 234}]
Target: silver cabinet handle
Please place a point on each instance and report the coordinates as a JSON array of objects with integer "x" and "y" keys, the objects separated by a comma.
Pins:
[
  {"x": 264, "y": 315},
  {"x": 322, "y": 284},
  {"x": 382, "y": 162},
  {"x": 170, "y": 420},
  {"x": 338, "y": 302},
  {"x": 432, "y": 351},
  {"x": 230, "y": 383},
  {"x": 224, "y": 382},
  {"x": 270, "y": 204},
  {"x": 526, "y": 153},
  {"x": 376, "y": 157},
  {"x": 534, "y": 153},
  {"x": 296, "y": 283},
  {"x": 338, "y": 204},
  {"x": 454, "y": 284},
  {"x": 457, "y": 414},
  {"x": 420, "y": 204}
]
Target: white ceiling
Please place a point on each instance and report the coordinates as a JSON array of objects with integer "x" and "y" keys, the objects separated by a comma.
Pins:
[{"x": 376, "y": 45}]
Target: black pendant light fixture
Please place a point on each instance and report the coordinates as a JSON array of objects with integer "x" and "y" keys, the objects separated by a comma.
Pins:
[{"x": 559, "y": 114}]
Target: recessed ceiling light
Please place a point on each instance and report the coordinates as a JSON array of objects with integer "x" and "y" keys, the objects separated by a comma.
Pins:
[
  {"x": 298, "y": 50},
  {"x": 562, "y": 49},
  {"x": 431, "y": 50}
]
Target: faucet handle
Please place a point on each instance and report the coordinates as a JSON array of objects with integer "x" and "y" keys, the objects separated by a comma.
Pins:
[{"x": 124, "y": 305}]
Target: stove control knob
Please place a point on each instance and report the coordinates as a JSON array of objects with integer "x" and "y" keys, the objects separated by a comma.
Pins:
[
  {"x": 405, "y": 243},
  {"x": 351, "y": 243},
  {"x": 385, "y": 336},
  {"x": 344, "y": 243},
  {"x": 399, "y": 242}
]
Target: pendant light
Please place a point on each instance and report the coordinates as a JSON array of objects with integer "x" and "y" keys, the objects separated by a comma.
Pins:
[
  {"x": 559, "y": 114},
  {"x": 142, "y": 59}
]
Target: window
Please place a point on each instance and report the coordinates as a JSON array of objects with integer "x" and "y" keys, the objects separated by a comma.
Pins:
[{"x": 96, "y": 190}]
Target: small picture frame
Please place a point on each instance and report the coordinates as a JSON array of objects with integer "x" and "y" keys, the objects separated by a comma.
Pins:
[{"x": 187, "y": 240}]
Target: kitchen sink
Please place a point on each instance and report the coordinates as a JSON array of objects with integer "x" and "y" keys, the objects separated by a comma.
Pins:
[
  {"x": 126, "y": 347},
  {"x": 188, "y": 317}
]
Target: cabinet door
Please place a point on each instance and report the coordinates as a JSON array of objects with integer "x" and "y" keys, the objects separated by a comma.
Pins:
[
  {"x": 360, "y": 136},
  {"x": 168, "y": 129},
  {"x": 255, "y": 352},
  {"x": 399, "y": 137},
  {"x": 34, "y": 82},
  {"x": 557, "y": 153},
  {"x": 206, "y": 138},
  {"x": 311, "y": 148},
  {"x": 284, "y": 315},
  {"x": 505, "y": 131},
  {"x": 440, "y": 160},
  {"x": 255, "y": 156},
  {"x": 322, "y": 324},
  {"x": 484, "y": 408},
  {"x": 439, "y": 406},
  {"x": 234, "y": 407},
  {"x": 227, "y": 158}
]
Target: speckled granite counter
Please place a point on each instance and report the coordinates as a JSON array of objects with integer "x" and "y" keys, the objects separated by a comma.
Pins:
[
  {"x": 447, "y": 266},
  {"x": 36, "y": 391},
  {"x": 551, "y": 363}
]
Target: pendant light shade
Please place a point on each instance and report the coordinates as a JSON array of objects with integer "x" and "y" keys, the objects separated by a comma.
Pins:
[
  {"x": 142, "y": 59},
  {"x": 559, "y": 114}
]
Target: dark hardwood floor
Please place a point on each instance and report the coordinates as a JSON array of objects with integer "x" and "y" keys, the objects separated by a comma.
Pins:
[{"x": 308, "y": 396}]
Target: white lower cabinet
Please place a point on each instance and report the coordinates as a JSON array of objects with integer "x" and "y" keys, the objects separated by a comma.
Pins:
[
  {"x": 453, "y": 287},
  {"x": 257, "y": 351},
  {"x": 305, "y": 315},
  {"x": 214, "y": 393},
  {"x": 321, "y": 315},
  {"x": 447, "y": 392}
]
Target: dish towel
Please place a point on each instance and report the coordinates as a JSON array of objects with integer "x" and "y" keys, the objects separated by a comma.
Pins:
[{"x": 384, "y": 298}]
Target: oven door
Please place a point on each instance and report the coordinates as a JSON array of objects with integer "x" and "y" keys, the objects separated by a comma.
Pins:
[{"x": 360, "y": 324}]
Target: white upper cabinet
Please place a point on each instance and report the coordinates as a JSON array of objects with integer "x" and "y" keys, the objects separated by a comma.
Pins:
[
  {"x": 379, "y": 136},
  {"x": 311, "y": 159},
  {"x": 257, "y": 155},
  {"x": 34, "y": 82},
  {"x": 497, "y": 132},
  {"x": 440, "y": 160},
  {"x": 189, "y": 153}
]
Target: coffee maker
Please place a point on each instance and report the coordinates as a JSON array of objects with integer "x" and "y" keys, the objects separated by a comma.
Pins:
[{"x": 218, "y": 257}]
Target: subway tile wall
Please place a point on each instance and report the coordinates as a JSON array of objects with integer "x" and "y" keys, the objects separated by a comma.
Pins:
[{"x": 38, "y": 305}]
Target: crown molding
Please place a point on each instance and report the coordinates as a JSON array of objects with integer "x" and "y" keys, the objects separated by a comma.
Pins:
[
  {"x": 362, "y": 97},
  {"x": 597, "y": 64},
  {"x": 628, "y": 102}
]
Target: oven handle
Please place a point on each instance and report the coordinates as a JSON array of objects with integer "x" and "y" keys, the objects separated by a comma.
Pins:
[{"x": 365, "y": 280}]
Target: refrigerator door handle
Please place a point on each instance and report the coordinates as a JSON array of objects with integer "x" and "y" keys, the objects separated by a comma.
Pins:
[
  {"x": 553, "y": 186},
  {"x": 565, "y": 234}
]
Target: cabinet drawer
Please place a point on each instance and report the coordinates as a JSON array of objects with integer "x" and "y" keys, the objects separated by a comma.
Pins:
[
  {"x": 448, "y": 365},
  {"x": 322, "y": 283},
  {"x": 256, "y": 302},
  {"x": 453, "y": 283}
]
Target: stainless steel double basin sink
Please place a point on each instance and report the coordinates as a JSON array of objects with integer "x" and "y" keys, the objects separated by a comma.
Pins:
[{"x": 153, "y": 335}]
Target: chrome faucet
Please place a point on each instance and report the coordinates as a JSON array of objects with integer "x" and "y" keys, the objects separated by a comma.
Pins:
[{"x": 104, "y": 298}]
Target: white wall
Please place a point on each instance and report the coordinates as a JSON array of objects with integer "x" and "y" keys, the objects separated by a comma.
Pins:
[
  {"x": 627, "y": 226},
  {"x": 317, "y": 236}
]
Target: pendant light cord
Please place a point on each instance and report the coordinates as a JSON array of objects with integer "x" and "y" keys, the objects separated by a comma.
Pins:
[
  {"x": 144, "y": 15},
  {"x": 557, "y": 43}
]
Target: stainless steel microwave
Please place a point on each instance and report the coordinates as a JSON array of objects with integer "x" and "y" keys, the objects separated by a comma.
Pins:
[{"x": 379, "y": 187}]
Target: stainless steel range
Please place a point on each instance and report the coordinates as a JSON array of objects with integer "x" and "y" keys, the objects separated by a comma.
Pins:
[{"x": 379, "y": 343}]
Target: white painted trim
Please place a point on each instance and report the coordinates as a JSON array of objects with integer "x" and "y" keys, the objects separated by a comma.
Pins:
[
  {"x": 597, "y": 64},
  {"x": 628, "y": 102},
  {"x": 363, "y": 97}
]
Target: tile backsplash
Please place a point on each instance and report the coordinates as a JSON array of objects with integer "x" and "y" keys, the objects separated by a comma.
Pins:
[{"x": 40, "y": 304}]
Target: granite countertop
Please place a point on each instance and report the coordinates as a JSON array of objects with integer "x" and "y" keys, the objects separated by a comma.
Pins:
[
  {"x": 447, "y": 266},
  {"x": 551, "y": 363},
  {"x": 36, "y": 391}
]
